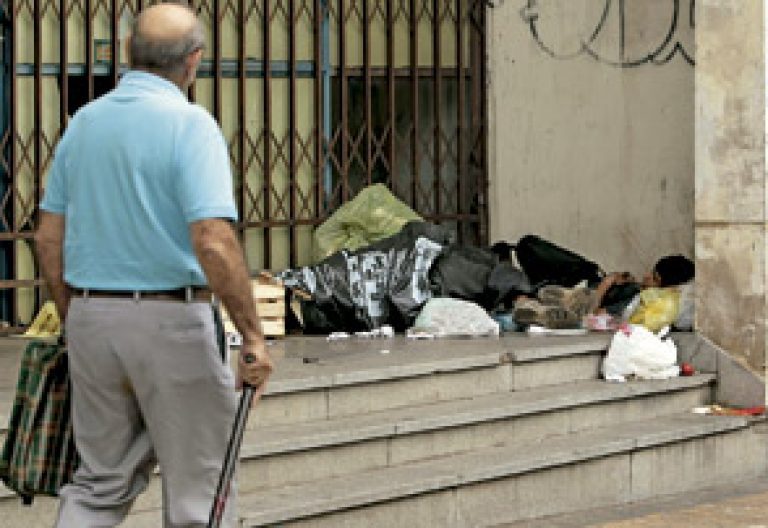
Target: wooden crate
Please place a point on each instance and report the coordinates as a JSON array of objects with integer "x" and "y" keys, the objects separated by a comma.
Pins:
[{"x": 270, "y": 302}]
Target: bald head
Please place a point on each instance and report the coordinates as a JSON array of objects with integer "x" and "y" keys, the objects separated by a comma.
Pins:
[{"x": 163, "y": 36}]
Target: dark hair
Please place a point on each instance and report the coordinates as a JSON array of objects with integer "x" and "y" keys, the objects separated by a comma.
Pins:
[{"x": 674, "y": 270}]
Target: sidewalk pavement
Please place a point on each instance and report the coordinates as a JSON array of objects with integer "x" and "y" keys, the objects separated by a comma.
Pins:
[
  {"x": 750, "y": 511},
  {"x": 742, "y": 505}
]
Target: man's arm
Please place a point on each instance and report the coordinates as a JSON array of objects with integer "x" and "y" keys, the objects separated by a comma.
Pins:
[
  {"x": 608, "y": 281},
  {"x": 49, "y": 242},
  {"x": 221, "y": 257}
]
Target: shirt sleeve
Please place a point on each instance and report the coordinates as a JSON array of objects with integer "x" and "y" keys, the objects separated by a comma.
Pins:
[
  {"x": 204, "y": 182},
  {"x": 55, "y": 195}
]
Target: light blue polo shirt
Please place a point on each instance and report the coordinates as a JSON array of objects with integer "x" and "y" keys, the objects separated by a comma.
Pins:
[{"x": 133, "y": 170}]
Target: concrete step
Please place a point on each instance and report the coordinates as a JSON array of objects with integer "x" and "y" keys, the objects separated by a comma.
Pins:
[
  {"x": 503, "y": 484},
  {"x": 280, "y": 455},
  {"x": 743, "y": 504},
  {"x": 521, "y": 480},
  {"x": 411, "y": 376},
  {"x": 412, "y": 373},
  {"x": 352, "y": 409}
]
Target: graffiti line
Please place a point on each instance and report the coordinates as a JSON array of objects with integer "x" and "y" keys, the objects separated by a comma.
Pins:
[{"x": 658, "y": 56}]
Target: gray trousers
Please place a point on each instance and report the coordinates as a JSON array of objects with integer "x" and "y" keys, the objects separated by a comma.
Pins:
[{"x": 149, "y": 386}]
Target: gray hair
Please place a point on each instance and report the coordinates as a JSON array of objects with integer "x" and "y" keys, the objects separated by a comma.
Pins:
[{"x": 161, "y": 55}]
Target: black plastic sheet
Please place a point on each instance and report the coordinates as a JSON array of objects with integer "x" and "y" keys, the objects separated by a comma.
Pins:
[
  {"x": 384, "y": 283},
  {"x": 547, "y": 263},
  {"x": 477, "y": 275}
]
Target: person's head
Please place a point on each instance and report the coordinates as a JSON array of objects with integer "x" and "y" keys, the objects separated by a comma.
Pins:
[
  {"x": 167, "y": 40},
  {"x": 672, "y": 270}
]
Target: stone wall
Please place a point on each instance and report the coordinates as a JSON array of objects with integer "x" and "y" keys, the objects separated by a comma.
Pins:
[{"x": 595, "y": 156}]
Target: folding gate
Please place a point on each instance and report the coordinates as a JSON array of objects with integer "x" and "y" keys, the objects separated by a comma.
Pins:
[{"x": 317, "y": 99}]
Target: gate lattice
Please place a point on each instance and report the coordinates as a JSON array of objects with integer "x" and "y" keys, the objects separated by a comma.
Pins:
[{"x": 317, "y": 99}]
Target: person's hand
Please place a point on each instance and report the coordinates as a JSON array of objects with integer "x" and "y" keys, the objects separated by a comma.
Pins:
[
  {"x": 617, "y": 278},
  {"x": 626, "y": 277},
  {"x": 608, "y": 281},
  {"x": 254, "y": 365}
]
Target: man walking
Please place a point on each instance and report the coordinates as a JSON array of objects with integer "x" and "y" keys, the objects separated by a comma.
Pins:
[{"x": 134, "y": 239}]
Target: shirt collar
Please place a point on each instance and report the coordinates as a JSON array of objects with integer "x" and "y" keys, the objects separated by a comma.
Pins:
[{"x": 141, "y": 80}]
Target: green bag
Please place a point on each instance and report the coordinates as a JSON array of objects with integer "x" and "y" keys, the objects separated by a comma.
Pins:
[
  {"x": 39, "y": 454},
  {"x": 374, "y": 214}
]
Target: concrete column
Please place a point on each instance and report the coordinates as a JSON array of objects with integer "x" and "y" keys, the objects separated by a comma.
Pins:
[{"x": 731, "y": 183}]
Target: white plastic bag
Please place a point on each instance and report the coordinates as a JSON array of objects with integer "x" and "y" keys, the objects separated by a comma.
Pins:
[
  {"x": 446, "y": 317},
  {"x": 636, "y": 351}
]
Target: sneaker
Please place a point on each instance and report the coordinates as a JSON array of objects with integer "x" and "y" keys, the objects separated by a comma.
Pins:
[
  {"x": 532, "y": 312},
  {"x": 576, "y": 300}
]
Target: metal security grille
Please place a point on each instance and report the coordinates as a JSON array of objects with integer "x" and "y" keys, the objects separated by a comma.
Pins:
[{"x": 317, "y": 99}]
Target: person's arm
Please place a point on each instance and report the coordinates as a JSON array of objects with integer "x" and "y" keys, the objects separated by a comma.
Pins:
[
  {"x": 609, "y": 280},
  {"x": 221, "y": 258},
  {"x": 49, "y": 243}
]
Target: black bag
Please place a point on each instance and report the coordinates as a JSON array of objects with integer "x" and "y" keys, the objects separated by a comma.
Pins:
[
  {"x": 505, "y": 284},
  {"x": 547, "y": 263},
  {"x": 386, "y": 282},
  {"x": 476, "y": 275},
  {"x": 462, "y": 273},
  {"x": 618, "y": 297}
]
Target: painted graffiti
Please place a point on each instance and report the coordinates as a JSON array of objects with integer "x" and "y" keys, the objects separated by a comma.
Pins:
[{"x": 614, "y": 32}]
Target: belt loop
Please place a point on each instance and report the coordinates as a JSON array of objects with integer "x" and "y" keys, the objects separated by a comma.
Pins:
[
  {"x": 188, "y": 294},
  {"x": 136, "y": 295},
  {"x": 85, "y": 294}
]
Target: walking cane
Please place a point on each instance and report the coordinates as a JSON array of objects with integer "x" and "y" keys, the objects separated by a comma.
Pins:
[{"x": 233, "y": 451}]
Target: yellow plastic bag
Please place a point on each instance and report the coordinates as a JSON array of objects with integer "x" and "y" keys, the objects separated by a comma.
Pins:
[
  {"x": 658, "y": 308},
  {"x": 375, "y": 213},
  {"x": 46, "y": 324}
]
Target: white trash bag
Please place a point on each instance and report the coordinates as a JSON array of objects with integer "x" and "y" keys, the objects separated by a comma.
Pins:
[
  {"x": 447, "y": 317},
  {"x": 636, "y": 351}
]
